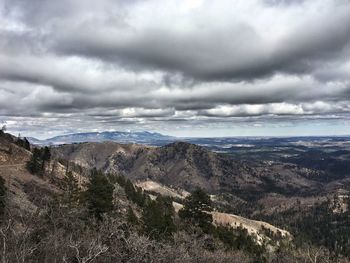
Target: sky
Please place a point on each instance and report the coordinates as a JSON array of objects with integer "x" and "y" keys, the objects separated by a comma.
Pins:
[{"x": 179, "y": 67}]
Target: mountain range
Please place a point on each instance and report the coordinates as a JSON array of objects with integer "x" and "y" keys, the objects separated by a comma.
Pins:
[{"x": 143, "y": 137}]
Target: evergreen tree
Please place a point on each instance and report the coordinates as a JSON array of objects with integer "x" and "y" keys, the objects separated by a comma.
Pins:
[
  {"x": 157, "y": 218},
  {"x": 35, "y": 164},
  {"x": 71, "y": 189},
  {"x": 130, "y": 190},
  {"x": 46, "y": 156},
  {"x": 131, "y": 217},
  {"x": 40, "y": 156},
  {"x": 99, "y": 194},
  {"x": 239, "y": 239},
  {"x": 139, "y": 197},
  {"x": 26, "y": 144},
  {"x": 168, "y": 214},
  {"x": 119, "y": 179},
  {"x": 3, "y": 191},
  {"x": 197, "y": 210}
]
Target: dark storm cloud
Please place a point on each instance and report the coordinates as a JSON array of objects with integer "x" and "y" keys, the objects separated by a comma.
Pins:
[
  {"x": 200, "y": 56},
  {"x": 237, "y": 52}
]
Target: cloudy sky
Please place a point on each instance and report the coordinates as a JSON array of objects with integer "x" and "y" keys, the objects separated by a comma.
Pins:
[{"x": 180, "y": 67}]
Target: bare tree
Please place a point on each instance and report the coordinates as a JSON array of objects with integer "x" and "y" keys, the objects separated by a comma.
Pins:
[{"x": 92, "y": 250}]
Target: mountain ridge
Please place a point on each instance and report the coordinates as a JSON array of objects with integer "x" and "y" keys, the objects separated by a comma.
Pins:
[
  {"x": 188, "y": 166},
  {"x": 120, "y": 136}
]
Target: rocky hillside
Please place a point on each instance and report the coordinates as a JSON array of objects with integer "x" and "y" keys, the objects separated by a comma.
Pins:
[
  {"x": 97, "y": 155},
  {"x": 25, "y": 189},
  {"x": 187, "y": 166}
]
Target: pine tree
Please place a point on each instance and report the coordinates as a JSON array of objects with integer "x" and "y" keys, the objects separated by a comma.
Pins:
[
  {"x": 26, "y": 144},
  {"x": 130, "y": 190},
  {"x": 168, "y": 214},
  {"x": 46, "y": 156},
  {"x": 121, "y": 180},
  {"x": 35, "y": 164},
  {"x": 197, "y": 210},
  {"x": 71, "y": 190},
  {"x": 3, "y": 191},
  {"x": 157, "y": 218},
  {"x": 131, "y": 217},
  {"x": 99, "y": 194},
  {"x": 40, "y": 156},
  {"x": 139, "y": 197}
]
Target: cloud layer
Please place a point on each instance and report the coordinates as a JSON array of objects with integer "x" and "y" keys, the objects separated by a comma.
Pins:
[{"x": 154, "y": 65}]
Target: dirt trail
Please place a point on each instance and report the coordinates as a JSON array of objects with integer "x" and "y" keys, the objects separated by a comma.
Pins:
[{"x": 12, "y": 165}]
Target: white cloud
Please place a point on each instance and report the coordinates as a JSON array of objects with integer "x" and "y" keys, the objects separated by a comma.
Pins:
[{"x": 150, "y": 63}]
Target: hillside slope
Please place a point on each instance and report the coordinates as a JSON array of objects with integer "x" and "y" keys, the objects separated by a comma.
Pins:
[
  {"x": 253, "y": 227},
  {"x": 188, "y": 166},
  {"x": 24, "y": 189}
]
